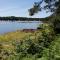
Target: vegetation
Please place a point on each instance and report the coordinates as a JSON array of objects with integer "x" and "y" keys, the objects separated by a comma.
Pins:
[
  {"x": 14, "y": 46},
  {"x": 13, "y": 18},
  {"x": 49, "y": 6},
  {"x": 43, "y": 44}
]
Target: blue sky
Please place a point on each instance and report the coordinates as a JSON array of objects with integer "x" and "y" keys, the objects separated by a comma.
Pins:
[{"x": 19, "y": 8}]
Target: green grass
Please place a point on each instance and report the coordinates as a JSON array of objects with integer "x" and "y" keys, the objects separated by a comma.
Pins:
[{"x": 14, "y": 45}]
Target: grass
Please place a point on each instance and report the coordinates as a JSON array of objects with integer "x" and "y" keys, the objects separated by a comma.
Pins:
[
  {"x": 9, "y": 39},
  {"x": 18, "y": 35}
]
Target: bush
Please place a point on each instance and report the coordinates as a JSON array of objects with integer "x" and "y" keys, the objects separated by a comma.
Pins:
[{"x": 46, "y": 35}]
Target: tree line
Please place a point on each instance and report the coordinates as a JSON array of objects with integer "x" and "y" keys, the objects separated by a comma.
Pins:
[{"x": 13, "y": 18}]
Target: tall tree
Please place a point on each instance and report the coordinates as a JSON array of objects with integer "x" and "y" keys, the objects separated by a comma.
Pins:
[{"x": 49, "y": 5}]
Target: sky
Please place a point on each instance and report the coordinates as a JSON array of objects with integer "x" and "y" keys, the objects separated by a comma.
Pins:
[{"x": 19, "y": 8}]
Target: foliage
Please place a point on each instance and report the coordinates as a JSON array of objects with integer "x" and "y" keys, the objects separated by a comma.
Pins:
[
  {"x": 14, "y": 18},
  {"x": 49, "y": 5},
  {"x": 56, "y": 23},
  {"x": 33, "y": 46}
]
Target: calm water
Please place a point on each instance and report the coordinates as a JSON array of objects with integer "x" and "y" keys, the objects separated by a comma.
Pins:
[{"x": 8, "y": 26}]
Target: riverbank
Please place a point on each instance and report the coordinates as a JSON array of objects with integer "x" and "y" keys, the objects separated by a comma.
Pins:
[
  {"x": 29, "y": 45},
  {"x": 18, "y": 35}
]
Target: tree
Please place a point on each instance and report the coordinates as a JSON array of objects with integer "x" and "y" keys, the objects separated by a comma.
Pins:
[{"x": 49, "y": 5}]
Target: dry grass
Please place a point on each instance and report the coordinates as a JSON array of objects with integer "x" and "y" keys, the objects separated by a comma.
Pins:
[{"x": 17, "y": 35}]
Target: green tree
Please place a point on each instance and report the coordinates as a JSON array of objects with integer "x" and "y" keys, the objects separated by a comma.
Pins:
[{"x": 49, "y": 5}]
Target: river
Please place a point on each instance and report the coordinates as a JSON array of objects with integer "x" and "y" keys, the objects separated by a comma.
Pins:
[{"x": 9, "y": 26}]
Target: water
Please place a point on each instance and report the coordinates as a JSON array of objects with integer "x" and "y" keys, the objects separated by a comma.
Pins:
[{"x": 9, "y": 26}]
